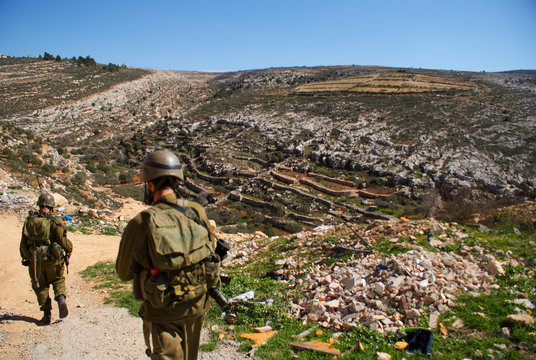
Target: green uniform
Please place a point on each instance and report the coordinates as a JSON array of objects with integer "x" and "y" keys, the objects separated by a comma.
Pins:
[
  {"x": 174, "y": 330},
  {"x": 45, "y": 264}
]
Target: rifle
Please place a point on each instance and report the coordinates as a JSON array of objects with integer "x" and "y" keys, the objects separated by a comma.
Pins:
[
  {"x": 39, "y": 183},
  {"x": 66, "y": 258},
  {"x": 222, "y": 248}
]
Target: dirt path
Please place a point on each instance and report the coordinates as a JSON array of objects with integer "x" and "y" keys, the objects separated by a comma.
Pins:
[{"x": 91, "y": 331}]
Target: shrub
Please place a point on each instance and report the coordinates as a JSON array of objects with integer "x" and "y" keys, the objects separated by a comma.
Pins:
[
  {"x": 79, "y": 178},
  {"x": 87, "y": 61},
  {"x": 36, "y": 161},
  {"x": 48, "y": 168},
  {"x": 125, "y": 177},
  {"x": 510, "y": 219},
  {"x": 223, "y": 216},
  {"x": 111, "y": 67},
  {"x": 130, "y": 191},
  {"x": 293, "y": 227},
  {"x": 26, "y": 155}
]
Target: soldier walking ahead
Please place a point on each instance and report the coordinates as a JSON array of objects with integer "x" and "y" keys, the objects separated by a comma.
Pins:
[
  {"x": 43, "y": 248},
  {"x": 168, "y": 250}
]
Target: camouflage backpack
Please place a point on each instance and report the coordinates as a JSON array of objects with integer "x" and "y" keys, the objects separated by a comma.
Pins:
[
  {"x": 37, "y": 231},
  {"x": 182, "y": 252}
]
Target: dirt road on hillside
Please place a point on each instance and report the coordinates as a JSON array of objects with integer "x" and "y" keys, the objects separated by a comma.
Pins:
[{"x": 91, "y": 331}]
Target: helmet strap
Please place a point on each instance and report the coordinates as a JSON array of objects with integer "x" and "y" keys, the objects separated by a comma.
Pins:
[{"x": 147, "y": 195}]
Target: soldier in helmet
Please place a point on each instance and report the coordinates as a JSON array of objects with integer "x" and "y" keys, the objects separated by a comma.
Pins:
[
  {"x": 43, "y": 248},
  {"x": 165, "y": 250}
]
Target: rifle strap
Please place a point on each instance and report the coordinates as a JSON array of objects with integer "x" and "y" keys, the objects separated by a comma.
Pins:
[
  {"x": 35, "y": 268},
  {"x": 147, "y": 327}
]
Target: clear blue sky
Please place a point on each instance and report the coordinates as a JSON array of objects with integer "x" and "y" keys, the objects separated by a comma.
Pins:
[{"x": 227, "y": 35}]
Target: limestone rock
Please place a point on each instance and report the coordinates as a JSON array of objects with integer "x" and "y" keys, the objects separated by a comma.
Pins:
[
  {"x": 413, "y": 314},
  {"x": 383, "y": 356},
  {"x": 520, "y": 319},
  {"x": 495, "y": 267},
  {"x": 434, "y": 320}
]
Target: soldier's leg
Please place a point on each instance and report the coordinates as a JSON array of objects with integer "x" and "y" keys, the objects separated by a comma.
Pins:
[
  {"x": 56, "y": 276},
  {"x": 47, "y": 312},
  {"x": 167, "y": 341},
  {"x": 55, "y": 273},
  {"x": 192, "y": 327},
  {"x": 176, "y": 340},
  {"x": 40, "y": 288}
]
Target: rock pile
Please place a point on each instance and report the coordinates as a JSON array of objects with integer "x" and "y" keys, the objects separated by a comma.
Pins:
[
  {"x": 15, "y": 202},
  {"x": 387, "y": 293}
]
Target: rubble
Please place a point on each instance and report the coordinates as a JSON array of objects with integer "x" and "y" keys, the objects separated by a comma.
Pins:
[
  {"x": 365, "y": 292},
  {"x": 384, "y": 293},
  {"x": 15, "y": 202},
  {"x": 523, "y": 302}
]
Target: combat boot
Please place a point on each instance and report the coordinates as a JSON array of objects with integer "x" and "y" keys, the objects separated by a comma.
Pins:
[
  {"x": 47, "y": 309},
  {"x": 46, "y": 317},
  {"x": 62, "y": 305}
]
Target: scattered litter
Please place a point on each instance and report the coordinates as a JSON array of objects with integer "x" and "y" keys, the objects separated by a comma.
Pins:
[
  {"x": 259, "y": 338},
  {"x": 263, "y": 329},
  {"x": 420, "y": 341},
  {"x": 243, "y": 297},
  {"x": 443, "y": 330},
  {"x": 317, "y": 345},
  {"x": 230, "y": 318},
  {"x": 305, "y": 333}
]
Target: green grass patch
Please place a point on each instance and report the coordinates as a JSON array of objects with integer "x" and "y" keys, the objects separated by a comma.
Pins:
[{"x": 119, "y": 292}]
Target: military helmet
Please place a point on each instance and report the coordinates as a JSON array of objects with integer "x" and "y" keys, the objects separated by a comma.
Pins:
[
  {"x": 161, "y": 163},
  {"x": 46, "y": 199}
]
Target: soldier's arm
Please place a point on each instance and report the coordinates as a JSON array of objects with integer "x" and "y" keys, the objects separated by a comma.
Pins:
[
  {"x": 127, "y": 262},
  {"x": 24, "y": 249}
]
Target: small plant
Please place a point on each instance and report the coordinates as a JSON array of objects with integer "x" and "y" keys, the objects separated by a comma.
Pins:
[{"x": 103, "y": 275}]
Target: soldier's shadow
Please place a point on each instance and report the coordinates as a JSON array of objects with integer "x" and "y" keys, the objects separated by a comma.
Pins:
[{"x": 21, "y": 318}]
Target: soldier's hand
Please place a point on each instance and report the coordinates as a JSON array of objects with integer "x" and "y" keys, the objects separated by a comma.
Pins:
[{"x": 25, "y": 262}]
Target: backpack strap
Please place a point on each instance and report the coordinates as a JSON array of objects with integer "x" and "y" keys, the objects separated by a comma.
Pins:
[{"x": 193, "y": 211}]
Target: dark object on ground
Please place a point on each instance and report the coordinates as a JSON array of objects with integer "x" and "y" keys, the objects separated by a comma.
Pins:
[{"x": 420, "y": 341}]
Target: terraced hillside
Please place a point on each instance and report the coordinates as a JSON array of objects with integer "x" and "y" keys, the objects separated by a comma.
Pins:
[
  {"x": 292, "y": 148},
  {"x": 387, "y": 83},
  {"x": 30, "y": 84}
]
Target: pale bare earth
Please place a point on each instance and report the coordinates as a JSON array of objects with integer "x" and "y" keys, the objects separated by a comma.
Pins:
[{"x": 92, "y": 330}]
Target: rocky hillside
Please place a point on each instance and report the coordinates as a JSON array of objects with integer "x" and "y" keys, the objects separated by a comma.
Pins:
[{"x": 277, "y": 149}]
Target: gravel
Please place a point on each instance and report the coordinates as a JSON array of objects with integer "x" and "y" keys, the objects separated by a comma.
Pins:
[{"x": 96, "y": 331}]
